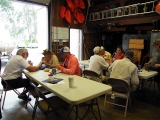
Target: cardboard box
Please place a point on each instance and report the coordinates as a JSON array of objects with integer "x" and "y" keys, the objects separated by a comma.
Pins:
[
  {"x": 136, "y": 46},
  {"x": 137, "y": 54},
  {"x": 136, "y": 41}
]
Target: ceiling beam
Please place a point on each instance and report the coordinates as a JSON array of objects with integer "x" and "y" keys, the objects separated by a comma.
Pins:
[
  {"x": 115, "y": 29},
  {"x": 144, "y": 28}
]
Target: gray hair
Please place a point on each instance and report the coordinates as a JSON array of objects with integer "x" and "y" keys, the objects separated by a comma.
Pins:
[
  {"x": 21, "y": 51},
  {"x": 129, "y": 53},
  {"x": 97, "y": 49}
]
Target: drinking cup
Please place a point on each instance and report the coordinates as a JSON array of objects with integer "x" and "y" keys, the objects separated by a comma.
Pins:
[
  {"x": 51, "y": 79},
  {"x": 71, "y": 81}
]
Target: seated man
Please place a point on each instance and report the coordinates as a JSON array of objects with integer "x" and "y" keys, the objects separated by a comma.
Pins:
[
  {"x": 154, "y": 63},
  {"x": 50, "y": 60},
  {"x": 71, "y": 64},
  {"x": 97, "y": 62},
  {"x": 13, "y": 72},
  {"x": 126, "y": 70}
]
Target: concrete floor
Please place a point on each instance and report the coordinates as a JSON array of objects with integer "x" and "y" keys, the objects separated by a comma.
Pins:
[
  {"x": 144, "y": 108},
  {"x": 14, "y": 109}
]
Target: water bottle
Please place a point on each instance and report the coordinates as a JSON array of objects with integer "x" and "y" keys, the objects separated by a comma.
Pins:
[
  {"x": 139, "y": 67},
  {"x": 53, "y": 71}
]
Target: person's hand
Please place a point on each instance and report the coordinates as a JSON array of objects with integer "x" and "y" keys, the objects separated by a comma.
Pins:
[
  {"x": 146, "y": 64},
  {"x": 157, "y": 65},
  {"x": 43, "y": 59},
  {"x": 30, "y": 62},
  {"x": 58, "y": 66},
  {"x": 40, "y": 64},
  {"x": 44, "y": 62}
]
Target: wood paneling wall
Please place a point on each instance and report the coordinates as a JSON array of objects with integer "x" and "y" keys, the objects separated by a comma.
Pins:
[
  {"x": 57, "y": 20},
  {"x": 90, "y": 39}
]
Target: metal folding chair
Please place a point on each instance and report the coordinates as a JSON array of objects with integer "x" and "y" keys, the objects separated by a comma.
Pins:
[
  {"x": 7, "y": 88},
  {"x": 121, "y": 89},
  {"x": 46, "y": 105},
  {"x": 1, "y": 92},
  {"x": 92, "y": 75},
  {"x": 41, "y": 88}
]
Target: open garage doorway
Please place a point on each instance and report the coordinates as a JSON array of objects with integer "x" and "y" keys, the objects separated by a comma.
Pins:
[{"x": 23, "y": 25}]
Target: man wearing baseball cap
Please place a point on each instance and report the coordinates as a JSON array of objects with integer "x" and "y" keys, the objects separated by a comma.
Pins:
[
  {"x": 71, "y": 64},
  {"x": 154, "y": 63}
]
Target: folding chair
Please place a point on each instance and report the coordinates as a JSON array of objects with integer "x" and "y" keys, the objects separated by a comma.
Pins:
[
  {"x": 121, "y": 89},
  {"x": 7, "y": 88},
  {"x": 46, "y": 105},
  {"x": 92, "y": 75},
  {"x": 41, "y": 88},
  {"x": 81, "y": 72},
  {"x": 1, "y": 92}
]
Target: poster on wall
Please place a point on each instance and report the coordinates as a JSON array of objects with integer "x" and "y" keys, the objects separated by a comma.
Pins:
[{"x": 60, "y": 33}]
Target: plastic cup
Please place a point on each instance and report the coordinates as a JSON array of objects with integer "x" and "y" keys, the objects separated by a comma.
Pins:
[
  {"x": 51, "y": 79},
  {"x": 71, "y": 81},
  {"x": 30, "y": 62}
]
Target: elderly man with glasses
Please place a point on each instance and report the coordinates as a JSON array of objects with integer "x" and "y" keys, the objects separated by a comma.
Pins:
[
  {"x": 13, "y": 72},
  {"x": 98, "y": 63}
]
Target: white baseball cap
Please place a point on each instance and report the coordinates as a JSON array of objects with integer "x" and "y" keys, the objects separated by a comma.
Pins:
[{"x": 64, "y": 49}]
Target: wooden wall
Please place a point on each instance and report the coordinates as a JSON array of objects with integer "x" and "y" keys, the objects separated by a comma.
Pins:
[
  {"x": 92, "y": 38},
  {"x": 89, "y": 39}
]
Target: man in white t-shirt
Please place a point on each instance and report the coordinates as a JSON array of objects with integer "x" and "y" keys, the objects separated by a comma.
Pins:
[
  {"x": 97, "y": 62},
  {"x": 13, "y": 72}
]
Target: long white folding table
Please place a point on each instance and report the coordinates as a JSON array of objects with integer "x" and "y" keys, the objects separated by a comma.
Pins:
[
  {"x": 146, "y": 75},
  {"x": 84, "y": 63},
  {"x": 82, "y": 91}
]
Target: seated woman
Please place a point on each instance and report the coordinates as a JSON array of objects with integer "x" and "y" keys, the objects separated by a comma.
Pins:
[
  {"x": 108, "y": 57},
  {"x": 49, "y": 60},
  {"x": 119, "y": 53}
]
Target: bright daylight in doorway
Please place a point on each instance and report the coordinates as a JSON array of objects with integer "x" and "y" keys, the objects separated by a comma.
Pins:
[{"x": 23, "y": 25}]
